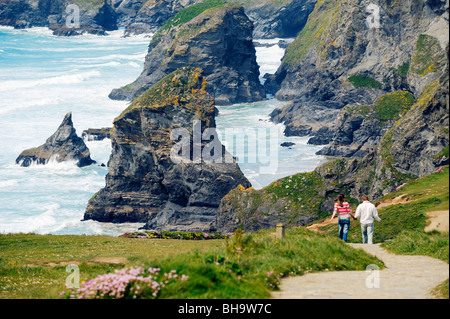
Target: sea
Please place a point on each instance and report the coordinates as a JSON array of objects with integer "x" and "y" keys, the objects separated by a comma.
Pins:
[{"x": 43, "y": 77}]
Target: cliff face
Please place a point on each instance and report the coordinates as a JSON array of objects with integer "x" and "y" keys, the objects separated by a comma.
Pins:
[
  {"x": 96, "y": 16},
  {"x": 144, "y": 184},
  {"x": 360, "y": 128},
  {"x": 414, "y": 146},
  {"x": 278, "y": 19},
  {"x": 141, "y": 16},
  {"x": 63, "y": 145},
  {"x": 354, "y": 52},
  {"x": 219, "y": 41}
]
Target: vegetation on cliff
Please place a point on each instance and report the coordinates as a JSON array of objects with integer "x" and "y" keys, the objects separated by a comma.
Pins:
[
  {"x": 428, "y": 57},
  {"x": 187, "y": 15},
  {"x": 319, "y": 23},
  {"x": 364, "y": 81},
  {"x": 184, "y": 87}
]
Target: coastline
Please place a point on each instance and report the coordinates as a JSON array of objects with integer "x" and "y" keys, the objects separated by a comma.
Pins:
[{"x": 40, "y": 197}]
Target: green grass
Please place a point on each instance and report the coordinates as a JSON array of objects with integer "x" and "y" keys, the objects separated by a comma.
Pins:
[
  {"x": 33, "y": 266},
  {"x": 187, "y": 15},
  {"x": 441, "y": 291},
  {"x": 403, "y": 69},
  {"x": 435, "y": 185},
  {"x": 393, "y": 106},
  {"x": 226, "y": 273},
  {"x": 444, "y": 152},
  {"x": 429, "y": 57},
  {"x": 293, "y": 198},
  {"x": 402, "y": 227},
  {"x": 413, "y": 242},
  {"x": 389, "y": 107},
  {"x": 315, "y": 32},
  {"x": 364, "y": 81},
  {"x": 216, "y": 268}
]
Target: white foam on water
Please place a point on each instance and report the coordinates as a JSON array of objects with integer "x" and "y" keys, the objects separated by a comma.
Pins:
[
  {"x": 57, "y": 80},
  {"x": 29, "y": 104},
  {"x": 8, "y": 183},
  {"x": 135, "y": 57}
]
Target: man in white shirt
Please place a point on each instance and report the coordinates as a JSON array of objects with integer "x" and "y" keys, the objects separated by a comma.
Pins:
[{"x": 368, "y": 212}]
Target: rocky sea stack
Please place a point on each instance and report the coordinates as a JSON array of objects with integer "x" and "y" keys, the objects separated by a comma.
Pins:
[
  {"x": 63, "y": 145},
  {"x": 217, "y": 40},
  {"x": 144, "y": 184}
]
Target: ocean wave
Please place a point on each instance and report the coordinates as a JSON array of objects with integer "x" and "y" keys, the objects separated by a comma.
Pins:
[
  {"x": 34, "y": 30},
  {"x": 8, "y": 183},
  {"x": 52, "y": 167},
  {"x": 119, "y": 34},
  {"x": 67, "y": 49},
  {"x": 134, "y": 64},
  {"x": 63, "y": 79},
  {"x": 31, "y": 224},
  {"x": 133, "y": 57},
  {"x": 23, "y": 105}
]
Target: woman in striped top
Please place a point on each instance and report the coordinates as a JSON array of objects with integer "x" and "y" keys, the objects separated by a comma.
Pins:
[{"x": 342, "y": 208}]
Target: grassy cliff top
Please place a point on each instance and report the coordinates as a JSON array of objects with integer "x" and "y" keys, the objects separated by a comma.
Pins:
[
  {"x": 184, "y": 87},
  {"x": 187, "y": 14},
  {"x": 320, "y": 23}
]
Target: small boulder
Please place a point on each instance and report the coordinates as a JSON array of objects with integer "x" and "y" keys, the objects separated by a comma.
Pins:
[{"x": 287, "y": 144}]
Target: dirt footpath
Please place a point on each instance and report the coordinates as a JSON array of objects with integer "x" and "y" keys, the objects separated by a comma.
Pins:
[
  {"x": 439, "y": 220},
  {"x": 405, "y": 277}
]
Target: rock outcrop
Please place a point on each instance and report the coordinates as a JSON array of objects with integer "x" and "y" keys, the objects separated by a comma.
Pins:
[
  {"x": 278, "y": 19},
  {"x": 148, "y": 181},
  {"x": 96, "y": 134},
  {"x": 63, "y": 145},
  {"x": 360, "y": 128},
  {"x": 217, "y": 40},
  {"x": 354, "y": 52}
]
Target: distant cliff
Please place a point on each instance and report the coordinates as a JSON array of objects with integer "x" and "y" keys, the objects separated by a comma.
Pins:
[
  {"x": 352, "y": 53},
  {"x": 144, "y": 184},
  {"x": 216, "y": 39},
  {"x": 283, "y": 18},
  {"x": 95, "y": 16}
]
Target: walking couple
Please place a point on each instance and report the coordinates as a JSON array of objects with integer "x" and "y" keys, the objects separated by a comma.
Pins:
[{"x": 367, "y": 211}]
